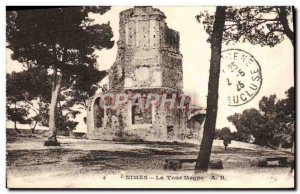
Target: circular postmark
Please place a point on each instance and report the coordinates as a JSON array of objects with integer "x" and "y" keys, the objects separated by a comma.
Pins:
[{"x": 241, "y": 74}]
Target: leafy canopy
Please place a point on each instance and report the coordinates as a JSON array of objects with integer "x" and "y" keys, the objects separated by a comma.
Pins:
[
  {"x": 262, "y": 25},
  {"x": 62, "y": 38},
  {"x": 272, "y": 124}
]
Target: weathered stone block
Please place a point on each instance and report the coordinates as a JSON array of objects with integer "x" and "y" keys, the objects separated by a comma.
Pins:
[
  {"x": 215, "y": 164},
  {"x": 174, "y": 165},
  {"x": 259, "y": 162}
]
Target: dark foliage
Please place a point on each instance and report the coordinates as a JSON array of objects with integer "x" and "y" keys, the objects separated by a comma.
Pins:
[
  {"x": 21, "y": 89},
  {"x": 63, "y": 40},
  {"x": 262, "y": 25},
  {"x": 272, "y": 124}
]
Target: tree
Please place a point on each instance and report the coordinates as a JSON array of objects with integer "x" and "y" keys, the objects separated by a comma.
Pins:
[
  {"x": 226, "y": 133},
  {"x": 13, "y": 112},
  {"x": 254, "y": 24},
  {"x": 85, "y": 87},
  {"x": 285, "y": 116},
  {"x": 64, "y": 115},
  {"x": 263, "y": 25},
  {"x": 253, "y": 122},
  {"x": 223, "y": 133},
  {"x": 271, "y": 125},
  {"x": 31, "y": 88},
  {"x": 239, "y": 136},
  {"x": 218, "y": 134},
  {"x": 42, "y": 115},
  {"x": 17, "y": 114},
  {"x": 62, "y": 40},
  {"x": 21, "y": 89},
  {"x": 212, "y": 97}
]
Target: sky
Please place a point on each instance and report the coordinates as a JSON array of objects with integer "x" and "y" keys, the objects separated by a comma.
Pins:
[{"x": 276, "y": 63}]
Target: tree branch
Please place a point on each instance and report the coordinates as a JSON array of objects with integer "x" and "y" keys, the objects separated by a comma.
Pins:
[
  {"x": 32, "y": 107},
  {"x": 272, "y": 31},
  {"x": 283, "y": 18}
]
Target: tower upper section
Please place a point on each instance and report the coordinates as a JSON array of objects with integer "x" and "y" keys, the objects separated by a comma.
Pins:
[
  {"x": 148, "y": 51},
  {"x": 145, "y": 27}
]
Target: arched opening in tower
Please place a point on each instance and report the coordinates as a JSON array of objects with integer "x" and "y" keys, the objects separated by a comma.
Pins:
[{"x": 99, "y": 113}]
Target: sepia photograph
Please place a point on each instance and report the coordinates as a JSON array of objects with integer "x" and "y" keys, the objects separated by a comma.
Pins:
[{"x": 150, "y": 97}]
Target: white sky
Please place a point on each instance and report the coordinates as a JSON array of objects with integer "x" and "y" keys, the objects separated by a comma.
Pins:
[{"x": 276, "y": 63}]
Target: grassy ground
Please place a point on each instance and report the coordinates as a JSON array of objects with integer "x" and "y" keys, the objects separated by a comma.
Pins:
[{"x": 30, "y": 164}]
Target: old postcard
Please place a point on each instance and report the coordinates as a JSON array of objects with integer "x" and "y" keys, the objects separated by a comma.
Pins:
[{"x": 150, "y": 97}]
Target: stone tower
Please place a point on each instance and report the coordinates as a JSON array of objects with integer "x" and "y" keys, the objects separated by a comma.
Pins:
[
  {"x": 148, "y": 52},
  {"x": 148, "y": 62}
]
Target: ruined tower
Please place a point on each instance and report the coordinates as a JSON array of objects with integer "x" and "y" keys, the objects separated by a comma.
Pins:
[
  {"x": 148, "y": 52},
  {"x": 148, "y": 61}
]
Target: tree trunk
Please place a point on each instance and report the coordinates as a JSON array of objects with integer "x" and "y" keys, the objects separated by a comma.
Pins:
[
  {"x": 33, "y": 128},
  {"x": 16, "y": 129},
  {"x": 15, "y": 122},
  {"x": 212, "y": 97},
  {"x": 285, "y": 24},
  {"x": 52, "y": 140}
]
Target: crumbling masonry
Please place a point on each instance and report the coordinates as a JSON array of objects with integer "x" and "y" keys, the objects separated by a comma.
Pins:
[{"x": 148, "y": 61}]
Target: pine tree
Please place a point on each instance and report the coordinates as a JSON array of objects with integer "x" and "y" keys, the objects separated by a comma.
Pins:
[
  {"x": 213, "y": 93},
  {"x": 60, "y": 39}
]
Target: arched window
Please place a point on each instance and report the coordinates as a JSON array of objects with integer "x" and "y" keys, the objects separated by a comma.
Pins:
[
  {"x": 140, "y": 115},
  {"x": 98, "y": 113}
]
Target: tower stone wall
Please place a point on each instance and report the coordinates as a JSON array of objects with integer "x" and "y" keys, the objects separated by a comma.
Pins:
[
  {"x": 148, "y": 52},
  {"x": 148, "y": 61}
]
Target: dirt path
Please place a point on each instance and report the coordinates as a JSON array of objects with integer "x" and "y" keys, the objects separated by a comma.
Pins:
[{"x": 75, "y": 158}]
